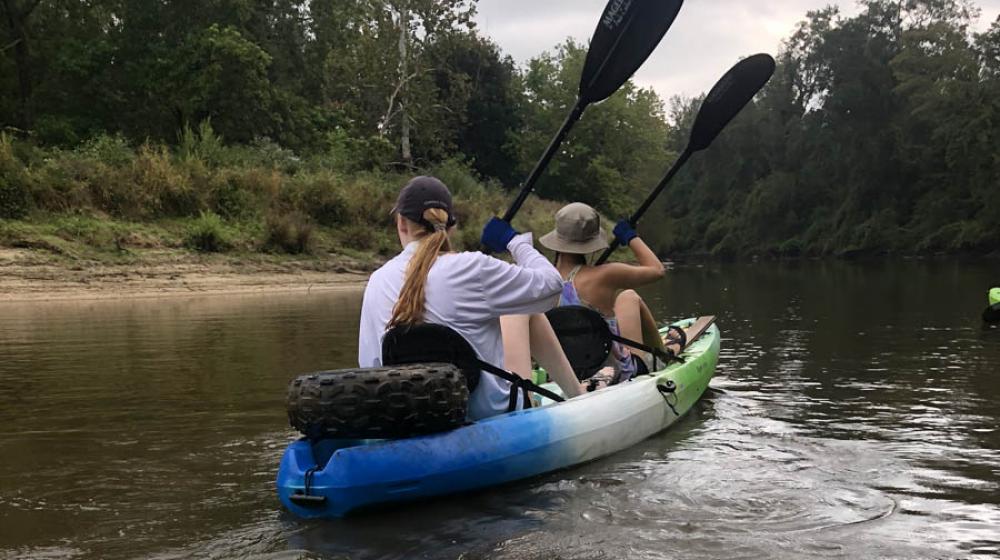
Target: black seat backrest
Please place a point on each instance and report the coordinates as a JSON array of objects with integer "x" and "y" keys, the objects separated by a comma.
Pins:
[
  {"x": 584, "y": 336},
  {"x": 427, "y": 342}
]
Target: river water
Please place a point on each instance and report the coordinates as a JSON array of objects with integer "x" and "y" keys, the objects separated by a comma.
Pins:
[{"x": 854, "y": 414}]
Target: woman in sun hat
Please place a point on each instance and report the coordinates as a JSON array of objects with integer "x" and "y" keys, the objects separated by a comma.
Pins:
[
  {"x": 466, "y": 291},
  {"x": 607, "y": 288}
]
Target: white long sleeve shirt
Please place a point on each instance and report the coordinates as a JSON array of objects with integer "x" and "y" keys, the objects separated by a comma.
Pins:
[{"x": 467, "y": 292}]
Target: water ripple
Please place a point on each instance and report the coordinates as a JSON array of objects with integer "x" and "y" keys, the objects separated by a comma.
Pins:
[{"x": 844, "y": 422}]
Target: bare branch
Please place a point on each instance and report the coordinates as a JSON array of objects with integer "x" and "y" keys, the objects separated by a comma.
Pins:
[
  {"x": 391, "y": 110},
  {"x": 10, "y": 46}
]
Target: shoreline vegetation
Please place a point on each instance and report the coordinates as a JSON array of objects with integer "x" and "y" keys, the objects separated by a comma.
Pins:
[
  {"x": 277, "y": 136},
  {"x": 108, "y": 220}
]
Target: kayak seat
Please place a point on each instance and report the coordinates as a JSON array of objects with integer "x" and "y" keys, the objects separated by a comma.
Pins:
[
  {"x": 586, "y": 339},
  {"x": 584, "y": 336},
  {"x": 428, "y": 342}
]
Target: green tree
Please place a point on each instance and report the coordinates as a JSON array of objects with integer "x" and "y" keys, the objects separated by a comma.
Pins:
[
  {"x": 876, "y": 134},
  {"x": 18, "y": 40},
  {"x": 478, "y": 85},
  {"x": 397, "y": 98},
  {"x": 220, "y": 76}
]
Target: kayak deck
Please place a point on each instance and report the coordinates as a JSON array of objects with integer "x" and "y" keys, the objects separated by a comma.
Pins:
[{"x": 330, "y": 478}]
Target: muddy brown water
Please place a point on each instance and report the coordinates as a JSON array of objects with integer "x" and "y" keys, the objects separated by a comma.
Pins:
[{"x": 854, "y": 415}]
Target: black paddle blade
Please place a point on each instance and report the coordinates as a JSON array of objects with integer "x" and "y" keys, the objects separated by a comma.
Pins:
[
  {"x": 992, "y": 314},
  {"x": 728, "y": 97},
  {"x": 628, "y": 32}
]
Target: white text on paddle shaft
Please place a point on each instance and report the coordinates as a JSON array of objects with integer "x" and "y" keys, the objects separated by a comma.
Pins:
[{"x": 616, "y": 13}]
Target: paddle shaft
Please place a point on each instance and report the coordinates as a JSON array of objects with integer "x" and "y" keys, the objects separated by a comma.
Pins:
[
  {"x": 649, "y": 200},
  {"x": 529, "y": 183},
  {"x": 628, "y": 32}
]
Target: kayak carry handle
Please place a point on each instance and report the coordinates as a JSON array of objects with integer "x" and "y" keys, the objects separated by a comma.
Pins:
[
  {"x": 307, "y": 500},
  {"x": 303, "y": 497},
  {"x": 668, "y": 389}
]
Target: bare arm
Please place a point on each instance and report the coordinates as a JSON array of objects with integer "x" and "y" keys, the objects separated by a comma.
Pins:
[{"x": 624, "y": 276}]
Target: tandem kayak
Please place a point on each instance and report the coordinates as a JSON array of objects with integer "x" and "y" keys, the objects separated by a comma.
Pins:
[{"x": 330, "y": 478}]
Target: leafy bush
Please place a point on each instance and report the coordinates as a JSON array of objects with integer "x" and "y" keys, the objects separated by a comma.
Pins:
[
  {"x": 203, "y": 145},
  {"x": 230, "y": 198},
  {"x": 15, "y": 193},
  {"x": 208, "y": 234},
  {"x": 66, "y": 184},
  {"x": 323, "y": 199},
  {"x": 267, "y": 153},
  {"x": 358, "y": 237},
  {"x": 289, "y": 233},
  {"x": 164, "y": 188},
  {"x": 14, "y": 199},
  {"x": 56, "y": 130},
  {"x": 350, "y": 154},
  {"x": 369, "y": 197},
  {"x": 109, "y": 150},
  {"x": 461, "y": 179},
  {"x": 467, "y": 238}
]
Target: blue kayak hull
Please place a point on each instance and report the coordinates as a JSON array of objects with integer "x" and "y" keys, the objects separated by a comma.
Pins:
[{"x": 331, "y": 478}]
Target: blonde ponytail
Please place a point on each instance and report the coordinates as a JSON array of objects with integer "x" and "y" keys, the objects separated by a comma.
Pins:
[{"x": 410, "y": 307}]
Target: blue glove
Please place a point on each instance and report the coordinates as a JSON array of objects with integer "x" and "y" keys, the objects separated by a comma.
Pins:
[
  {"x": 624, "y": 232},
  {"x": 496, "y": 235}
]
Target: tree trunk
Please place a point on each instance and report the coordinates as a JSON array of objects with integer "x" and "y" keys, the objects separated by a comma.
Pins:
[
  {"x": 22, "y": 58},
  {"x": 16, "y": 22},
  {"x": 404, "y": 35}
]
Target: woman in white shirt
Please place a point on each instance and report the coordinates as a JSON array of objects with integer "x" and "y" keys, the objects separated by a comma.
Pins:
[{"x": 467, "y": 291}]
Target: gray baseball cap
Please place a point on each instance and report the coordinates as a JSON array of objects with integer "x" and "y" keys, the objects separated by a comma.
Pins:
[
  {"x": 421, "y": 193},
  {"x": 578, "y": 231}
]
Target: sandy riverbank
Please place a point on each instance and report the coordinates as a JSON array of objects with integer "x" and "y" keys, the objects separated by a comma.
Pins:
[{"x": 27, "y": 275}]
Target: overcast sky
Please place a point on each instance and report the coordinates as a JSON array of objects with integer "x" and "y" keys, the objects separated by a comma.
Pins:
[{"x": 707, "y": 38}]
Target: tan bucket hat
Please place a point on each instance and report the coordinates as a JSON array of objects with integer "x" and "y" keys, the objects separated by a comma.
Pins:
[{"x": 578, "y": 231}]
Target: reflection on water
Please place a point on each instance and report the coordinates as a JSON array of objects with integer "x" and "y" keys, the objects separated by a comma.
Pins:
[
  {"x": 149, "y": 424},
  {"x": 855, "y": 414}
]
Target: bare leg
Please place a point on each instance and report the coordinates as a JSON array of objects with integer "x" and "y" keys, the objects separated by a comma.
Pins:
[
  {"x": 628, "y": 306},
  {"x": 635, "y": 320},
  {"x": 650, "y": 330},
  {"x": 525, "y": 336},
  {"x": 546, "y": 349}
]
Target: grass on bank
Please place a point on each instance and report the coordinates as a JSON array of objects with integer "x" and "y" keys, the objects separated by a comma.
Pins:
[{"x": 109, "y": 201}]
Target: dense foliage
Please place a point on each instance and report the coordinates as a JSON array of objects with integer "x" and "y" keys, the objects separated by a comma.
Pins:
[
  {"x": 879, "y": 132},
  {"x": 108, "y": 200}
]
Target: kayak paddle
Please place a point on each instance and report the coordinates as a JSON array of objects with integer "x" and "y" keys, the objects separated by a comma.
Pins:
[
  {"x": 724, "y": 101},
  {"x": 628, "y": 32}
]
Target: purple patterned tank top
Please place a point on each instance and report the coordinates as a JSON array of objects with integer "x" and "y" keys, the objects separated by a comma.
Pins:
[{"x": 623, "y": 363}]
